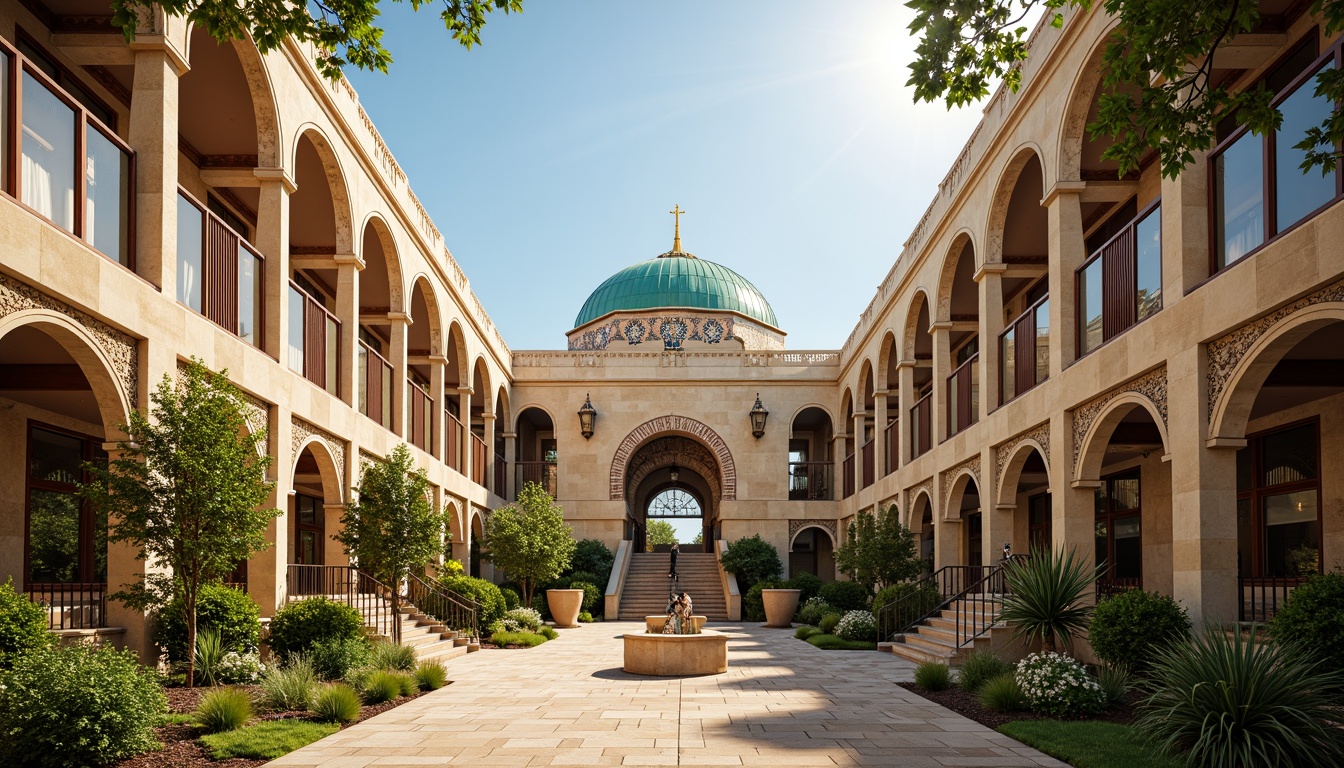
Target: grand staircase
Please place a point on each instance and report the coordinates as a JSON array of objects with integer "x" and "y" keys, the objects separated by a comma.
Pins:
[
  {"x": 935, "y": 638},
  {"x": 646, "y": 585}
]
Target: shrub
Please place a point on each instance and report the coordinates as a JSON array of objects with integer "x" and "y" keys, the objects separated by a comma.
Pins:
[
  {"x": 77, "y": 706},
  {"x": 1001, "y": 693},
  {"x": 390, "y": 657},
  {"x": 585, "y": 617},
  {"x": 1055, "y": 684},
  {"x": 1046, "y": 595},
  {"x": 409, "y": 687},
  {"x": 548, "y": 632},
  {"x": 289, "y": 688},
  {"x": 808, "y": 586},
  {"x": 752, "y": 559},
  {"x": 979, "y": 668},
  {"x": 381, "y": 686},
  {"x": 593, "y": 556},
  {"x": 591, "y": 594},
  {"x": 511, "y": 598},
  {"x": 933, "y": 676},
  {"x": 335, "y": 657},
  {"x": 525, "y": 618},
  {"x": 209, "y": 657},
  {"x": 753, "y": 603},
  {"x": 1129, "y": 627},
  {"x": 1313, "y": 617},
  {"x": 430, "y": 675},
  {"x": 925, "y": 600},
  {"x": 525, "y": 639},
  {"x": 225, "y": 709},
  {"x": 541, "y": 605},
  {"x": 804, "y": 632},
  {"x": 224, "y": 610},
  {"x": 813, "y": 611},
  {"x": 239, "y": 668},
  {"x": 829, "y": 623},
  {"x": 23, "y": 625},
  {"x": 297, "y": 626},
  {"x": 336, "y": 703},
  {"x": 483, "y": 592},
  {"x": 846, "y": 595},
  {"x": 1115, "y": 682},
  {"x": 1225, "y": 700},
  {"x": 856, "y": 625}
]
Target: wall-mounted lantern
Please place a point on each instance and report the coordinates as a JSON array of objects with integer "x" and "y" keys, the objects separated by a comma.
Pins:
[
  {"x": 587, "y": 415},
  {"x": 758, "y": 415}
]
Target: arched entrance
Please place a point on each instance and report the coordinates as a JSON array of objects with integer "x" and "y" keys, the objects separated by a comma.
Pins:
[
  {"x": 677, "y": 479},
  {"x": 315, "y": 507},
  {"x": 812, "y": 550}
]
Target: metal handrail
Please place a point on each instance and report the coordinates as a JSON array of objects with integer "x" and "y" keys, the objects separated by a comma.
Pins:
[
  {"x": 349, "y": 585},
  {"x": 455, "y": 610},
  {"x": 71, "y": 605},
  {"x": 953, "y": 586}
]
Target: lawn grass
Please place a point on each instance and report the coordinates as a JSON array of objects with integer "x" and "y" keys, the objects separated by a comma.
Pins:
[
  {"x": 177, "y": 718},
  {"x": 1088, "y": 743},
  {"x": 522, "y": 637},
  {"x": 833, "y": 643},
  {"x": 266, "y": 741}
]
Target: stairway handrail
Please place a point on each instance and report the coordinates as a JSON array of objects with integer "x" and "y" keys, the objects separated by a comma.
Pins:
[
  {"x": 907, "y": 610},
  {"x": 456, "y": 610},
  {"x": 971, "y": 624},
  {"x": 351, "y": 586}
]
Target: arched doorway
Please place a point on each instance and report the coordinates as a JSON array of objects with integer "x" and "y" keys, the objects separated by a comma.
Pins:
[
  {"x": 1024, "y": 495},
  {"x": 810, "y": 462},
  {"x": 812, "y": 550},
  {"x": 675, "y": 479},
  {"x": 315, "y": 507}
]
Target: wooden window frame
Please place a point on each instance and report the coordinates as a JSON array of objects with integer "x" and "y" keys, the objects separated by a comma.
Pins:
[
  {"x": 212, "y": 295},
  {"x": 1114, "y": 322},
  {"x": 1256, "y": 493},
  {"x": 1109, "y": 515},
  {"x": 87, "y": 528}
]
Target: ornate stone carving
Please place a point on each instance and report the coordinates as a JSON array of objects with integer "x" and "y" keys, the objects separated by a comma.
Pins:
[
  {"x": 666, "y": 451},
  {"x": 827, "y": 525},
  {"x": 911, "y": 494},
  {"x": 1004, "y": 451},
  {"x": 1152, "y": 385},
  {"x": 119, "y": 348},
  {"x": 949, "y": 476},
  {"x": 1226, "y": 352},
  {"x": 301, "y": 430},
  {"x": 673, "y": 425},
  {"x": 366, "y": 458}
]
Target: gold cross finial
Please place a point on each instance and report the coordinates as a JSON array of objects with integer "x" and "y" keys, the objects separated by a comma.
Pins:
[{"x": 676, "y": 237}]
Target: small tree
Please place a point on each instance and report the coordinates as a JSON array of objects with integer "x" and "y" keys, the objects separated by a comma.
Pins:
[
  {"x": 392, "y": 529},
  {"x": 880, "y": 551},
  {"x": 660, "y": 532},
  {"x": 529, "y": 539},
  {"x": 752, "y": 559},
  {"x": 186, "y": 489}
]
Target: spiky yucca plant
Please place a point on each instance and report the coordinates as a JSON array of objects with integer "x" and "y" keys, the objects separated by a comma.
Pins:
[
  {"x": 1224, "y": 701},
  {"x": 1045, "y": 595}
]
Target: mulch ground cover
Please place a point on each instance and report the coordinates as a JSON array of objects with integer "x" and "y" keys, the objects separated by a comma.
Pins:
[
  {"x": 181, "y": 750},
  {"x": 968, "y": 705}
]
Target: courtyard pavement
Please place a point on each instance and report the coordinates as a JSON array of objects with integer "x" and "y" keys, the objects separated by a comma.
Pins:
[{"x": 567, "y": 702}]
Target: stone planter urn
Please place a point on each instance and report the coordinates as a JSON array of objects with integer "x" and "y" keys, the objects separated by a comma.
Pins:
[
  {"x": 565, "y": 605},
  {"x": 780, "y": 606}
]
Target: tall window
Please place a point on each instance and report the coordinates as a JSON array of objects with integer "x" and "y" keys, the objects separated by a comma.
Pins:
[
  {"x": 1024, "y": 347},
  {"x": 1278, "y": 503},
  {"x": 1259, "y": 188},
  {"x": 963, "y": 388},
  {"x": 1121, "y": 284},
  {"x": 218, "y": 273},
  {"x": 1118, "y": 529},
  {"x": 1039, "y": 522},
  {"x": 66, "y": 539},
  {"x": 309, "y": 529}
]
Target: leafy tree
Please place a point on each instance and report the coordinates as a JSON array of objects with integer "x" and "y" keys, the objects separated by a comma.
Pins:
[
  {"x": 343, "y": 31},
  {"x": 1157, "y": 93},
  {"x": 529, "y": 539},
  {"x": 879, "y": 550},
  {"x": 392, "y": 529},
  {"x": 595, "y": 557},
  {"x": 660, "y": 532},
  {"x": 699, "y": 537},
  {"x": 186, "y": 489},
  {"x": 752, "y": 559}
]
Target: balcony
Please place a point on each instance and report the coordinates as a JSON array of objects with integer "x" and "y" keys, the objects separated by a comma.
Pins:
[
  {"x": 314, "y": 341},
  {"x": 375, "y": 386},
  {"x": 501, "y": 476},
  {"x": 454, "y": 442},
  {"x": 1024, "y": 351},
  {"x": 868, "y": 456},
  {"x": 963, "y": 394},
  {"x": 544, "y": 473},
  {"x": 892, "y": 437},
  {"x": 847, "y": 467},
  {"x": 419, "y": 416},
  {"x": 478, "y": 454},
  {"x": 219, "y": 274},
  {"x": 811, "y": 481},
  {"x": 921, "y": 426}
]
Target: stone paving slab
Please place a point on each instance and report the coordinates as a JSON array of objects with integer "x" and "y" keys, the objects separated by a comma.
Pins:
[{"x": 568, "y": 702}]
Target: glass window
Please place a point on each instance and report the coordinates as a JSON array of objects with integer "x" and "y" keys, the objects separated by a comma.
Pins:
[
  {"x": 48, "y": 170},
  {"x": 362, "y": 361},
  {"x": 1043, "y": 342},
  {"x": 1289, "y": 456},
  {"x": 1239, "y": 199},
  {"x": 1007, "y": 379},
  {"x": 1148, "y": 264},
  {"x": 4, "y": 120},
  {"x": 1297, "y": 194},
  {"x": 1089, "y": 310},
  {"x": 190, "y": 264},
  {"x": 296, "y": 309},
  {"x": 1128, "y": 548},
  {"x": 107, "y": 210},
  {"x": 55, "y": 457},
  {"x": 249, "y": 296},
  {"x": 53, "y": 536},
  {"x": 1291, "y": 546}
]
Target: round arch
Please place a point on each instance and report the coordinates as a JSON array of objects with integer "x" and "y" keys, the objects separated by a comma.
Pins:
[
  {"x": 481, "y": 370},
  {"x": 502, "y": 410},
  {"x": 337, "y": 185},
  {"x": 422, "y": 285},
  {"x": 1003, "y": 196},
  {"x": 327, "y": 470},
  {"x": 919, "y": 300},
  {"x": 673, "y": 425},
  {"x": 794, "y": 536},
  {"x": 110, "y": 393},
  {"x": 884, "y": 354},
  {"x": 947, "y": 272},
  {"x": 374, "y": 224},
  {"x": 1232, "y": 409},
  {"x": 256, "y": 75},
  {"x": 456, "y": 350},
  {"x": 1006, "y": 489},
  {"x": 799, "y": 410},
  {"x": 1093, "y": 447},
  {"x": 952, "y": 504},
  {"x": 1073, "y": 122}
]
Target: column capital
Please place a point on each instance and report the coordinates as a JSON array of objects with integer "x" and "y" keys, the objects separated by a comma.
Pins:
[
  {"x": 437, "y": 359},
  {"x": 349, "y": 260},
  {"x": 399, "y": 318},
  {"x": 510, "y": 435},
  {"x": 465, "y": 391},
  {"x": 487, "y": 416},
  {"x": 940, "y": 326},
  {"x": 906, "y": 363},
  {"x": 1074, "y": 188},
  {"x": 161, "y": 44},
  {"x": 276, "y": 176},
  {"x": 882, "y": 393},
  {"x": 985, "y": 270}
]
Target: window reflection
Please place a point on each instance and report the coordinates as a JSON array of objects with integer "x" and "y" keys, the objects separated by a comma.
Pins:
[
  {"x": 107, "y": 208},
  {"x": 48, "y": 172},
  {"x": 189, "y": 256},
  {"x": 1239, "y": 203},
  {"x": 1296, "y": 193}
]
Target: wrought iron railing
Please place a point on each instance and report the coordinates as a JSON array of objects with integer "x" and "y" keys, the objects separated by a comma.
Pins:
[
  {"x": 1109, "y": 584},
  {"x": 347, "y": 584},
  {"x": 456, "y": 611},
  {"x": 1261, "y": 596},
  {"x": 972, "y": 593},
  {"x": 72, "y": 605},
  {"x": 543, "y": 473},
  {"x": 810, "y": 481}
]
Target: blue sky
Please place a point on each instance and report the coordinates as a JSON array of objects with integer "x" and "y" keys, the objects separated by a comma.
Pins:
[{"x": 550, "y": 155}]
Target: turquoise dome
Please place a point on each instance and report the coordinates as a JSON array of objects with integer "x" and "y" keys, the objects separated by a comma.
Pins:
[{"x": 676, "y": 280}]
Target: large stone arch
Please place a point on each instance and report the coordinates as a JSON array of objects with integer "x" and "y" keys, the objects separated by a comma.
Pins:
[
  {"x": 829, "y": 526},
  {"x": 885, "y": 351},
  {"x": 956, "y": 485},
  {"x": 948, "y": 271},
  {"x": 329, "y": 467},
  {"x": 1073, "y": 121},
  {"x": 1092, "y": 448},
  {"x": 1003, "y": 195},
  {"x": 375, "y": 224},
  {"x": 673, "y": 425},
  {"x": 337, "y": 183},
  {"x": 918, "y": 299},
  {"x": 1005, "y": 489},
  {"x": 433, "y": 308}
]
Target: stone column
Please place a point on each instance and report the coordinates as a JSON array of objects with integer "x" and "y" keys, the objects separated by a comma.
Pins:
[
  {"x": 1067, "y": 252},
  {"x": 989, "y": 279},
  {"x": 838, "y": 470},
  {"x": 511, "y": 459},
  {"x": 267, "y": 570},
  {"x": 942, "y": 368},
  {"x": 439, "y": 422},
  {"x": 880, "y": 435},
  {"x": 124, "y": 568},
  {"x": 348, "y": 267},
  {"x": 905, "y": 375},
  {"x": 464, "y": 416},
  {"x": 996, "y": 521},
  {"x": 1073, "y": 511},
  {"x": 153, "y": 136},
  {"x": 488, "y": 421},
  {"x": 333, "y": 552},
  {"x": 860, "y": 424},
  {"x": 1185, "y": 229},
  {"x": 272, "y": 239},
  {"x": 401, "y": 323}
]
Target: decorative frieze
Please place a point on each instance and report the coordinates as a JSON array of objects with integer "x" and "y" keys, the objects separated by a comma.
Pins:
[
  {"x": 1152, "y": 385},
  {"x": 1004, "y": 451},
  {"x": 949, "y": 476},
  {"x": 826, "y": 525},
  {"x": 673, "y": 425},
  {"x": 299, "y": 433}
]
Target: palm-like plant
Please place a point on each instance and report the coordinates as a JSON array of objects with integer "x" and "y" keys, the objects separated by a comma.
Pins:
[
  {"x": 1045, "y": 597},
  {"x": 1226, "y": 700}
]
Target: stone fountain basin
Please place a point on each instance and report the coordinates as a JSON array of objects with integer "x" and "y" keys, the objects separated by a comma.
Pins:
[
  {"x": 676, "y": 655},
  {"x": 654, "y": 624}
]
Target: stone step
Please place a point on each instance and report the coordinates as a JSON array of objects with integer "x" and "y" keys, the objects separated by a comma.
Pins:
[
  {"x": 912, "y": 653},
  {"x": 441, "y": 651}
]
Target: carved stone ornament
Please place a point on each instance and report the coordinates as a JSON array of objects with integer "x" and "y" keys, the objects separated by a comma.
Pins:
[
  {"x": 673, "y": 425},
  {"x": 118, "y": 347},
  {"x": 826, "y": 525},
  {"x": 1004, "y": 451},
  {"x": 672, "y": 450},
  {"x": 1226, "y": 353},
  {"x": 950, "y": 476},
  {"x": 301, "y": 430},
  {"x": 1152, "y": 385},
  {"x": 366, "y": 459},
  {"x": 926, "y": 487}
]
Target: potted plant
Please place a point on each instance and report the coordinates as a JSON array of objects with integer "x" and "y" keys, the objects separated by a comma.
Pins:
[
  {"x": 565, "y": 605},
  {"x": 780, "y": 606}
]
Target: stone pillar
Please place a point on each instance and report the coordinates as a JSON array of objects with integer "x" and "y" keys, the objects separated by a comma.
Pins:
[
  {"x": 989, "y": 279},
  {"x": 838, "y": 470},
  {"x": 272, "y": 239},
  {"x": 942, "y": 368},
  {"x": 880, "y": 434},
  {"x": 439, "y": 422},
  {"x": 464, "y": 416},
  {"x": 124, "y": 568},
  {"x": 1203, "y": 496},
  {"x": 333, "y": 552},
  {"x": 348, "y": 267},
  {"x": 860, "y": 425},
  {"x": 401, "y": 323},
  {"x": 996, "y": 521},
  {"x": 1185, "y": 230},
  {"x": 511, "y": 459},
  {"x": 488, "y": 422},
  {"x": 1073, "y": 511},
  {"x": 267, "y": 570},
  {"x": 905, "y": 375},
  {"x": 153, "y": 136},
  {"x": 1067, "y": 253}
]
